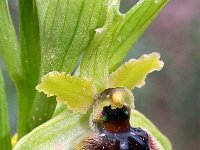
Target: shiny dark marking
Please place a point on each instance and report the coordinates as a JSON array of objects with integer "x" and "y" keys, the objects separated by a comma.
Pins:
[
  {"x": 119, "y": 135},
  {"x": 116, "y": 120}
]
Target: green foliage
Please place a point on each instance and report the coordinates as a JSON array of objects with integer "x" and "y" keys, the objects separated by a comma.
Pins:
[
  {"x": 5, "y": 139},
  {"x": 54, "y": 36}
]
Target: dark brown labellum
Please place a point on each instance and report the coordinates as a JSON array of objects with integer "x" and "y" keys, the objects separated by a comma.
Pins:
[
  {"x": 116, "y": 132},
  {"x": 113, "y": 130}
]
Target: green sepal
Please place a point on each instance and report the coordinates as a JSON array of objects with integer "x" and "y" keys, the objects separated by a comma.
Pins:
[
  {"x": 137, "y": 19},
  {"x": 66, "y": 29}
]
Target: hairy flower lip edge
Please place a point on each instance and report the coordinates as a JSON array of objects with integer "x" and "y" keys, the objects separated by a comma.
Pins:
[{"x": 153, "y": 142}]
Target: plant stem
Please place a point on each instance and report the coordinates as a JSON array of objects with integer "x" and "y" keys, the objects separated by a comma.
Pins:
[{"x": 25, "y": 98}]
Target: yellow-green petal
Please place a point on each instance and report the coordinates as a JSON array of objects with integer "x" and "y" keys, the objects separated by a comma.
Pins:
[
  {"x": 133, "y": 73},
  {"x": 76, "y": 93}
]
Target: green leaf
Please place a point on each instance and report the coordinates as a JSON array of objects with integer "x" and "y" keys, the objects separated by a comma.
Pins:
[
  {"x": 94, "y": 63},
  {"x": 137, "y": 19},
  {"x": 5, "y": 138},
  {"x": 133, "y": 73},
  {"x": 9, "y": 48},
  {"x": 61, "y": 132},
  {"x": 66, "y": 29},
  {"x": 139, "y": 120},
  {"x": 78, "y": 94}
]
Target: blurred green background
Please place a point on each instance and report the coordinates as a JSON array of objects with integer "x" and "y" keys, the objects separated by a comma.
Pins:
[{"x": 170, "y": 98}]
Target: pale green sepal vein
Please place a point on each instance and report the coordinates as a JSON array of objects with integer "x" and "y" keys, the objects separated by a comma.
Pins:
[
  {"x": 5, "y": 138},
  {"x": 133, "y": 73},
  {"x": 94, "y": 63},
  {"x": 61, "y": 132},
  {"x": 137, "y": 19},
  {"x": 78, "y": 94},
  {"x": 139, "y": 120}
]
